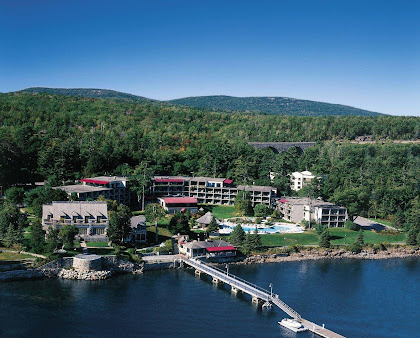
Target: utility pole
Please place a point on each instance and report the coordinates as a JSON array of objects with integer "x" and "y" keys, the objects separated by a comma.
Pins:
[{"x": 156, "y": 223}]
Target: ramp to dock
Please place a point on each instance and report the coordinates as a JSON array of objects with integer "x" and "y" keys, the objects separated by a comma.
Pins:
[{"x": 257, "y": 293}]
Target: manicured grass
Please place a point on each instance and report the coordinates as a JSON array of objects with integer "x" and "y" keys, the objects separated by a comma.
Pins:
[
  {"x": 339, "y": 236},
  {"x": 27, "y": 235},
  {"x": 345, "y": 236},
  {"x": 221, "y": 211},
  {"x": 97, "y": 244},
  {"x": 161, "y": 231},
  {"x": 306, "y": 238},
  {"x": 76, "y": 244},
  {"x": 138, "y": 212},
  {"x": 13, "y": 256}
]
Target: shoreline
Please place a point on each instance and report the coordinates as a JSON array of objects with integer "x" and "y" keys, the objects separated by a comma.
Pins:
[{"x": 318, "y": 254}]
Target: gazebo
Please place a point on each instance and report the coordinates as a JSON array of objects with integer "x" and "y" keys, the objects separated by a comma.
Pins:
[{"x": 205, "y": 220}]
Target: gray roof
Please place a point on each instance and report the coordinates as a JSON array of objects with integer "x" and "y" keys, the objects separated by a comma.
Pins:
[
  {"x": 206, "y": 218},
  {"x": 135, "y": 220},
  {"x": 205, "y": 244},
  {"x": 79, "y": 188}
]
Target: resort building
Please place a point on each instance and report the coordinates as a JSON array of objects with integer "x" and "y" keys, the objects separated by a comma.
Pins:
[
  {"x": 299, "y": 209},
  {"x": 111, "y": 187},
  {"x": 208, "y": 249},
  {"x": 90, "y": 218},
  {"x": 138, "y": 230},
  {"x": 301, "y": 179},
  {"x": 175, "y": 204},
  {"x": 209, "y": 190}
]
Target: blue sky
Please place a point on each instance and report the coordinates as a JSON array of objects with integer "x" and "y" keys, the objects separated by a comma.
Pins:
[{"x": 360, "y": 53}]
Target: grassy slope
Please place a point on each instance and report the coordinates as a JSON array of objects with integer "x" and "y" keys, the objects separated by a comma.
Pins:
[
  {"x": 220, "y": 211},
  {"x": 339, "y": 236}
]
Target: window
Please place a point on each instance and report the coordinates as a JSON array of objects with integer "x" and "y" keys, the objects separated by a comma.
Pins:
[
  {"x": 87, "y": 219},
  {"x": 98, "y": 219},
  {"x": 75, "y": 218}
]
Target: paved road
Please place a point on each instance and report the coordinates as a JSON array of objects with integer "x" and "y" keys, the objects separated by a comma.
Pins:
[{"x": 366, "y": 224}]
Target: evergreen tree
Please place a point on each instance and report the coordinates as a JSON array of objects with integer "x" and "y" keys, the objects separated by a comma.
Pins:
[
  {"x": 412, "y": 236},
  {"x": 119, "y": 224},
  {"x": 237, "y": 237},
  {"x": 52, "y": 239},
  {"x": 15, "y": 195},
  {"x": 212, "y": 227},
  {"x": 67, "y": 233},
  {"x": 248, "y": 244},
  {"x": 257, "y": 239},
  {"x": 324, "y": 240},
  {"x": 359, "y": 243},
  {"x": 179, "y": 223},
  {"x": 242, "y": 203},
  {"x": 360, "y": 238},
  {"x": 37, "y": 237}
]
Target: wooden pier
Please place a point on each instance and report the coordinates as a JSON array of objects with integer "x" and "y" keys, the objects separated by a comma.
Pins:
[{"x": 258, "y": 294}]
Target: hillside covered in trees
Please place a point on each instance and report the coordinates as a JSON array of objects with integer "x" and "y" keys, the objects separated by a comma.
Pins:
[
  {"x": 62, "y": 138},
  {"x": 266, "y": 105},
  {"x": 272, "y": 105}
]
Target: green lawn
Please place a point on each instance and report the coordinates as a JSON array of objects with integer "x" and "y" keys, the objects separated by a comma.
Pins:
[
  {"x": 76, "y": 244},
  {"x": 220, "y": 211},
  {"x": 97, "y": 244},
  {"x": 13, "y": 256},
  {"x": 344, "y": 236},
  {"x": 339, "y": 236},
  {"x": 273, "y": 240}
]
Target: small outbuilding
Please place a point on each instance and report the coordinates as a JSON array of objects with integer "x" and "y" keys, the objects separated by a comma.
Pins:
[{"x": 205, "y": 220}]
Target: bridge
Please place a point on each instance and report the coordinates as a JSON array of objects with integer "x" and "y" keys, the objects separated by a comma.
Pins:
[
  {"x": 258, "y": 294},
  {"x": 279, "y": 147}
]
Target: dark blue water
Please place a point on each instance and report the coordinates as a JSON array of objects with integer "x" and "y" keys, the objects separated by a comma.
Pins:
[{"x": 355, "y": 298}]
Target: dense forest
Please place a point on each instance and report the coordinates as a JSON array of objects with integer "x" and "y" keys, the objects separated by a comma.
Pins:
[
  {"x": 266, "y": 105},
  {"x": 272, "y": 105},
  {"x": 62, "y": 138}
]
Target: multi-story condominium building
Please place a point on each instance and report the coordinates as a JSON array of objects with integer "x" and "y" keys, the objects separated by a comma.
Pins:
[
  {"x": 209, "y": 190},
  {"x": 138, "y": 230},
  {"x": 301, "y": 179},
  {"x": 90, "y": 218},
  {"x": 298, "y": 209},
  {"x": 111, "y": 187}
]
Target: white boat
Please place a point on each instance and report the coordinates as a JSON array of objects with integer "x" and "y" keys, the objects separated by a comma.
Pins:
[{"x": 293, "y": 325}]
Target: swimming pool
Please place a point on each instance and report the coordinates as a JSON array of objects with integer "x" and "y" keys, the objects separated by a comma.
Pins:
[{"x": 275, "y": 228}]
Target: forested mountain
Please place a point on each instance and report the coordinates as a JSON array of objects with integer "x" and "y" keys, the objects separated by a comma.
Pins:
[
  {"x": 87, "y": 92},
  {"x": 266, "y": 105},
  {"x": 272, "y": 105},
  {"x": 62, "y": 138}
]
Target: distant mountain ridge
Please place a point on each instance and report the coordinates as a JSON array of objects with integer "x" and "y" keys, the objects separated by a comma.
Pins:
[
  {"x": 262, "y": 105},
  {"x": 272, "y": 105},
  {"x": 88, "y": 93}
]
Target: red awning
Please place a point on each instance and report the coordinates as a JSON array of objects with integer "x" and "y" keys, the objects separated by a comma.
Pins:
[
  {"x": 228, "y": 181},
  {"x": 89, "y": 180},
  {"x": 180, "y": 200},
  {"x": 221, "y": 248},
  {"x": 282, "y": 200},
  {"x": 168, "y": 180}
]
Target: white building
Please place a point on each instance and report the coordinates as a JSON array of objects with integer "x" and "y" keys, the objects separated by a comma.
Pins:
[
  {"x": 208, "y": 249},
  {"x": 90, "y": 218},
  {"x": 301, "y": 179},
  {"x": 298, "y": 209}
]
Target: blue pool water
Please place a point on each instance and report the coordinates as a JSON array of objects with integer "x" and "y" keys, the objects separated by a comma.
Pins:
[{"x": 273, "y": 229}]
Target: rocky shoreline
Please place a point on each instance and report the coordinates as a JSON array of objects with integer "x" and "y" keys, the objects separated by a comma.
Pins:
[{"x": 317, "y": 254}]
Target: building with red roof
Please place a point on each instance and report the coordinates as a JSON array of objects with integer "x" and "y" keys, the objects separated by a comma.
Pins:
[
  {"x": 210, "y": 249},
  {"x": 175, "y": 204}
]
